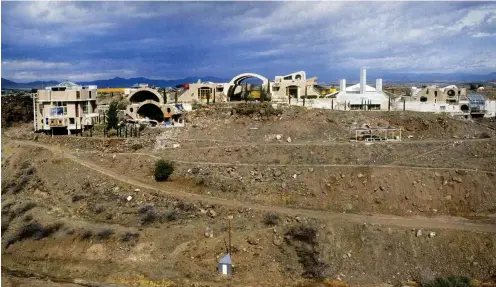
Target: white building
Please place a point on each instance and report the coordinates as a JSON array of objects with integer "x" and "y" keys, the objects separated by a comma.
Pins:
[{"x": 361, "y": 96}]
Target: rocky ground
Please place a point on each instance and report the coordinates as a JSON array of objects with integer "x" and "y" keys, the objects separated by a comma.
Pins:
[{"x": 305, "y": 202}]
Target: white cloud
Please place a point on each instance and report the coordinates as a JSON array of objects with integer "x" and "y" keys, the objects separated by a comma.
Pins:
[
  {"x": 15, "y": 65},
  {"x": 483, "y": 34}
]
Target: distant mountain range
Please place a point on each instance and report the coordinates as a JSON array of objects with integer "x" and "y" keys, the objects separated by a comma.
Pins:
[
  {"x": 371, "y": 76},
  {"x": 114, "y": 83}
]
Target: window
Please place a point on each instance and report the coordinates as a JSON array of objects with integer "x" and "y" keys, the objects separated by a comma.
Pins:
[
  {"x": 275, "y": 89},
  {"x": 288, "y": 78},
  {"x": 427, "y": 91},
  {"x": 443, "y": 108},
  {"x": 58, "y": 111},
  {"x": 298, "y": 77},
  {"x": 78, "y": 95},
  {"x": 89, "y": 94},
  {"x": 71, "y": 121},
  {"x": 459, "y": 92},
  {"x": 220, "y": 89},
  {"x": 85, "y": 108},
  {"x": 205, "y": 93},
  {"x": 423, "y": 99},
  {"x": 435, "y": 93}
]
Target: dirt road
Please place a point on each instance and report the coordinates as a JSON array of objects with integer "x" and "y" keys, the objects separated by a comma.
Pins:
[
  {"x": 409, "y": 222},
  {"x": 156, "y": 156}
]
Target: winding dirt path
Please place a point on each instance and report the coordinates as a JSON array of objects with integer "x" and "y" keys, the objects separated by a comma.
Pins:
[
  {"x": 156, "y": 156},
  {"x": 440, "y": 222}
]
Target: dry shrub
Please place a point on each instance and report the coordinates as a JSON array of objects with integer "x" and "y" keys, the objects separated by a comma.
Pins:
[
  {"x": 87, "y": 235},
  {"x": 260, "y": 109},
  {"x": 271, "y": 219},
  {"x": 128, "y": 236},
  {"x": 104, "y": 234},
  {"x": 147, "y": 215},
  {"x": 34, "y": 231}
]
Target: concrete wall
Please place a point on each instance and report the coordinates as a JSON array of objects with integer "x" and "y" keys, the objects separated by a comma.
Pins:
[
  {"x": 430, "y": 93},
  {"x": 192, "y": 94},
  {"x": 490, "y": 109}
]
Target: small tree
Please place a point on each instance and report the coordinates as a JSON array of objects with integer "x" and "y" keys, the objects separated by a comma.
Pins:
[
  {"x": 163, "y": 170},
  {"x": 111, "y": 116}
]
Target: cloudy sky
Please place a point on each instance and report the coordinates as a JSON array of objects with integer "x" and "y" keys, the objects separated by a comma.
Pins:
[{"x": 168, "y": 40}]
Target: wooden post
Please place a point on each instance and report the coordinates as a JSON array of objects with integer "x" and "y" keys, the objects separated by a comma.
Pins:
[
  {"x": 208, "y": 98},
  {"x": 214, "y": 95},
  {"x": 403, "y": 104},
  {"x": 306, "y": 94},
  {"x": 230, "y": 236},
  {"x": 175, "y": 97}
]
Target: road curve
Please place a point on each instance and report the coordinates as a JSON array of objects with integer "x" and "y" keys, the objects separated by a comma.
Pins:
[{"x": 440, "y": 222}]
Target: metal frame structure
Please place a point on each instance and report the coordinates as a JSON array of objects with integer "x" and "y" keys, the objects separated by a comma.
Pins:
[{"x": 378, "y": 134}]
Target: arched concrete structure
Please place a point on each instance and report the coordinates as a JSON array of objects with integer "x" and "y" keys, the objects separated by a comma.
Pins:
[
  {"x": 231, "y": 86},
  {"x": 151, "y": 110},
  {"x": 145, "y": 94}
]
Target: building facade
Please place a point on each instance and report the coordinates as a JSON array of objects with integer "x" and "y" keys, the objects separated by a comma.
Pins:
[{"x": 65, "y": 106}]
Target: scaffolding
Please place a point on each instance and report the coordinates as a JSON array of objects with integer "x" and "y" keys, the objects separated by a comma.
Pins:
[{"x": 378, "y": 134}]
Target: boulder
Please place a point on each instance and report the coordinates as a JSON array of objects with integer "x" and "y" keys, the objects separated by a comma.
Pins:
[
  {"x": 209, "y": 232},
  {"x": 253, "y": 240},
  {"x": 211, "y": 213}
]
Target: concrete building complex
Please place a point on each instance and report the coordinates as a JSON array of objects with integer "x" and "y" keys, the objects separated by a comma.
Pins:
[
  {"x": 73, "y": 107},
  {"x": 65, "y": 106}
]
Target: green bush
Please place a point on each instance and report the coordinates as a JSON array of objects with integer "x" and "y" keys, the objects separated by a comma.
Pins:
[
  {"x": 451, "y": 281},
  {"x": 163, "y": 170}
]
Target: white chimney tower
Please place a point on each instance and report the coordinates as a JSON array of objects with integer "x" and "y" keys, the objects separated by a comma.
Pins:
[
  {"x": 378, "y": 85},
  {"x": 363, "y": 80},
  {"x": 342, "y": 85}
]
